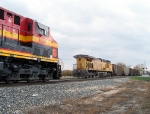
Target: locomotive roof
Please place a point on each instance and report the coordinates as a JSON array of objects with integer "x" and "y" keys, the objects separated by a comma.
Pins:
[
  {"x": 11, "y": 11},
  {"x": 83, "y": 56},
  {"x": 89, "y": 57}
]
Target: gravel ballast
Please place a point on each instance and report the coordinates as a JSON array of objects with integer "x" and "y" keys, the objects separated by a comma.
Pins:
[{"x": 14, "y": 99}]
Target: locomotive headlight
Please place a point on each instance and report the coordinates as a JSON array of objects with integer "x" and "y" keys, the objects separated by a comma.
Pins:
[{"x": 54, "y": 52}]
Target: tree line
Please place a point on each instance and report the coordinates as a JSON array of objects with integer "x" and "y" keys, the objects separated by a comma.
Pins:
[
  {"x": 67, "y": 73},
  {"x": 137, "y": 67}
]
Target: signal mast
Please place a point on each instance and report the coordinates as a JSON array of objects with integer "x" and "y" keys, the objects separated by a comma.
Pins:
[{"x": 144, "y": 69}]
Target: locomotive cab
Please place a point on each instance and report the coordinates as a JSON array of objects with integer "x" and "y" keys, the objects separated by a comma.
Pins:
[{"x": 84, "y": 64}]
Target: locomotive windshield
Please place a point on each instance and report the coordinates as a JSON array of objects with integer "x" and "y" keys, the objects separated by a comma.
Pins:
[{"x": 41, "y": 29}]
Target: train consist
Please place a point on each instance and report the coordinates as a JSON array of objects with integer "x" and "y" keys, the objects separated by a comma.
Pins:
[
  {"x": 27, "y": 49},
  {"x": 88, "y": 66}
]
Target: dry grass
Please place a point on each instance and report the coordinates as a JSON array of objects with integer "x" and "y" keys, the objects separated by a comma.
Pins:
[{"x": 129, "y": 98}]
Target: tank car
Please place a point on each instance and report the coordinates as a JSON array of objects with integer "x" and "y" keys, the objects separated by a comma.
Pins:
[
  {"x": 27, "y": 49},
  {"x": 89, "y": 66}
]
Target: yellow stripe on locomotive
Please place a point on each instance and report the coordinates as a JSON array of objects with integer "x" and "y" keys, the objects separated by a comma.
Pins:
[
  {"x": 20, "y": 38},
  {"x": 17, "y": 54}
]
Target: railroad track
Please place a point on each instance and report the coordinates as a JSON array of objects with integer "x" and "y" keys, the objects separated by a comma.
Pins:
[{"x": 57, "y": 81}]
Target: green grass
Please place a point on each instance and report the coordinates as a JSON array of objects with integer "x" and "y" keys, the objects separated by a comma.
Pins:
[{"x": 140, "y": 78}]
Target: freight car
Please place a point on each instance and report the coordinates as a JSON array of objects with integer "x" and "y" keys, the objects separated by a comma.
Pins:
[
  {"x": 27, "y": 49},
  {"x": 117, "y": 70},
  {"x": 88, "y": 66}
]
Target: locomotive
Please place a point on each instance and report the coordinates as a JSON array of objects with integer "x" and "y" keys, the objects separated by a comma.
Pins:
[
  {"x": 88, "y": 67},
  {"x": 27, "y": 50}
]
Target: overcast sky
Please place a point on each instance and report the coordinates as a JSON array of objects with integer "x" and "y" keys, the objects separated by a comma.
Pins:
[{"x": 116, "y": 30}]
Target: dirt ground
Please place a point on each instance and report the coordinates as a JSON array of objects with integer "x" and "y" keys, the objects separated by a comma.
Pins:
[{"x": 129, "y": 98}]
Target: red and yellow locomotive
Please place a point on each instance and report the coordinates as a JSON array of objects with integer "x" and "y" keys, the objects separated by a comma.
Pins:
[{"x": 27, "y": 49}]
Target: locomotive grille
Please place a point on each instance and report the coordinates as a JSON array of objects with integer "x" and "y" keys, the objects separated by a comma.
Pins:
[
  {"x": 24, "y": 50},
  {"x": 36, "y": 51},
  {"x": 45, "y": 53},
  {"x": 9, "y": 47}
]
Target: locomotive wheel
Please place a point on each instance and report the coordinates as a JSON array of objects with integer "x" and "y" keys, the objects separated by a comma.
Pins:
[
  {"x": 45, "y": 80},
  {"x": 30, "y": 81},
  {"x": 9, "y": 81},
  {"x": 15, "y": 81},
  {"x": 56, "y": 77}
]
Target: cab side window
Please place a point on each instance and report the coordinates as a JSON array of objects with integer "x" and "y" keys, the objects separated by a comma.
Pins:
[
  {"x": 9, "y": 14},
  {"x": 1, "y": 14},
  {"x": 17, "y": 20},
  {"x": 29, "y": 26},
  {"x": 40, "y": 30}
]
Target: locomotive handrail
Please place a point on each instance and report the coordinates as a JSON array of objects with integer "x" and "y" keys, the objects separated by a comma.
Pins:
[
  {"x": 60, "y": 62},
  {"x": 2, "y": 36}
]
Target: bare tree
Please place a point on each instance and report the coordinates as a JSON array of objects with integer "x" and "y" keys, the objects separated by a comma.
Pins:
[
  {"x": 67, "y": 73},
  {"x": 138, "y": 67},
  {"x": 121, "y": 64},
  {"x": 128, "y": 66}
]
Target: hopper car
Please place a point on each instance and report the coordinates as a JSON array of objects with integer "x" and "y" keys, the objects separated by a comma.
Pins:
[
  {"x": 88, "y": 66},
  {"x": 27, "y": 50}
]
